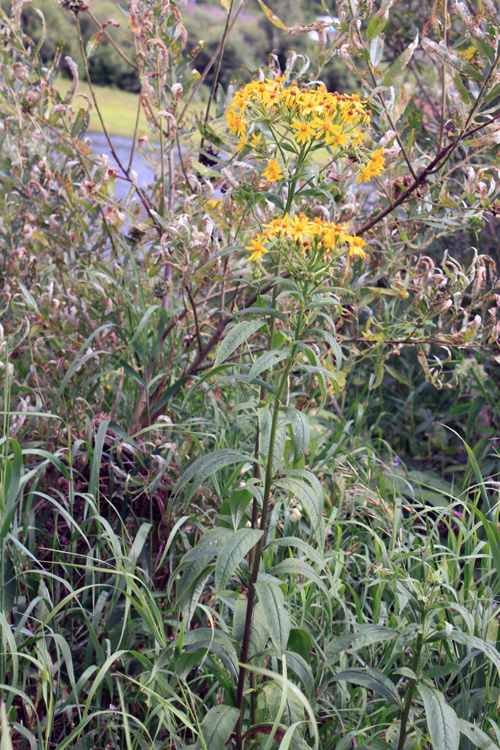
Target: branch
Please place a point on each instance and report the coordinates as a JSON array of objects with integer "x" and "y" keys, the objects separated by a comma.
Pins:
[{"x": 422, "y": 177}]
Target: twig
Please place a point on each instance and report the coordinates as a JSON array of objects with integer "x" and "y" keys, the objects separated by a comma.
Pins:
[{"x": 421, "y": 178}]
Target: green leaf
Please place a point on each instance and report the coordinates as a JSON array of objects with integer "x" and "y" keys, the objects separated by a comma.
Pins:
[
  {"x": 207, "y": 465},
  {"x": 293, "y": 707},
  {"x": 303, "y": 546},
  {"x": 273, "y": 606},
  {"x": 8, "y": 590},
  {"x": 233, "y": 553},
  {"x": 461, "y": 89},
  {"x": 400, "y": 64},
  {"x": 452, "y": 61},
  {"x": 235, "y": 337},
  {"x": 300, "y": 432},
  {"x": 272, "y": 17},
  {"x": 294, "y": 567},
  {"x": 441, "y": 719},
  {"x": 302, "y": 669},
  {"x": 239, "y": 502},
  {"x": 372, "y": 679},
  {"x": 307, "y": 488},
  {"x": 472, "y": 641},
  {"x": 210, "y": 544},
  {"x": 266, "y": 362},
  {"x": 12, "y": 482},
  {"x": 290, "y": 687},
  {"x": 265, "y": 417},
  {"x": 259, "y": 631},
  {"x": 6, "y": 741},
  {"x": 493, "y": 535},
  {"x": 366, "y": 636},
  {"x": 269, "y": 311},
  {"x": 217, "y": 726},
  {"x": 377, "y": 24},
  {"x": 476, "y": 736}
]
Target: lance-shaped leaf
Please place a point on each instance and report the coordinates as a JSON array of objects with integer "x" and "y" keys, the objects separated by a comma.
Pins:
[
  {"x": 441, "y": 719},
  {"x": 400, "y": 64},
  {"x": 266, "y": 361},
  {"x": 476, "y": 736},
  {"x": 291, "y": 566},
  {"x": 259, "y": 631},
  {"x": 273, "y": 606},
  {"x": 235, "y": 337},
  {"x": 366, "y": 636},
  {"x": 300, "y": 432},
  {"x": 452, "y": 61},
  {"x": 305, "y": 486},
  {"x": 207, "y": 465},
  {"x": 372, "y": 679},
  {"x": 217, "y": 726},
  {"x": 233, "y": 553}
]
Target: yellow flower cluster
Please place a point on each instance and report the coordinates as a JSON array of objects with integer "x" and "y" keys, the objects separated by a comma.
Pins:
[
  {"x": 306, "y": 233},
  {"x": 314, "y": 114},
  {"x": 374, "y": 168}
]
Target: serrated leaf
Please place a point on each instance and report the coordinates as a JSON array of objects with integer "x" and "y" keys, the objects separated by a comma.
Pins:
[
  {"x": 400, "y": 63},
  {"x": 476, "y": 736},
  {"x": 372, "y": 679},
  {"x": 441, "y": 719},
  {"x": 233, "y": 553},
  {"x": 277, "y": 618},
  {"x": 217, "y": 726},
  {"x": 235, "y": 337},
  {"x": 259, "y": 631}
]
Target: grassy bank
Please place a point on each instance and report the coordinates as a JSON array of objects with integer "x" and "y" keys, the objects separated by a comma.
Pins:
[{"x": 118, "y": 109}]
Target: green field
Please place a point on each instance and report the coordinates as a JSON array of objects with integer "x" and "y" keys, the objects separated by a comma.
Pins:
[{"x": 118, "y": 109}]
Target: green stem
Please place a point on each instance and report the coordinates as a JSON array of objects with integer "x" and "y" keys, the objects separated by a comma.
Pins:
[
  {"x": 409, "y": 693},
  {"x": 257, "y": 555}
]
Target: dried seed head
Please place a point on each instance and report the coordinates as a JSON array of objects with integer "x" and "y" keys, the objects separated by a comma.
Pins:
[{"x": 75, "y": 6}]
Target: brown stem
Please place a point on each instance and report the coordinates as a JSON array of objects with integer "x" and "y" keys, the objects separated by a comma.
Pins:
[{"x": 422, "y": 177}]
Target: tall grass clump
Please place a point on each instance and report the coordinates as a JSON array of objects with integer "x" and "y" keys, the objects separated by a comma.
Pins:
[{"x": 249, "y": 476}]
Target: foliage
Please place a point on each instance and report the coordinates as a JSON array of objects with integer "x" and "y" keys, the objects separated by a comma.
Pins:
[{"x": 249, "y": 478}]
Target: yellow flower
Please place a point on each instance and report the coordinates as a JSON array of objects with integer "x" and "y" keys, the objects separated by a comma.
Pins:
[
  {"x": 272, "y": 172},
  {"x": 258, "y": 248},
  {"x": 305, "y": 131},
  {"x": 235, "y": 123},
  {"x": 255, "y": 139},
  {"x": 332, "y": 133},
  {"x": 356, "y": 245},
  {"x": 243, "y": 142},
  {"x": 301, "y": 228},
  {"x": 374, "y": 168}
]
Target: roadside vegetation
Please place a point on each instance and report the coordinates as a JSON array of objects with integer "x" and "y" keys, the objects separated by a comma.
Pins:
[{"x": 249, "y": 458}]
